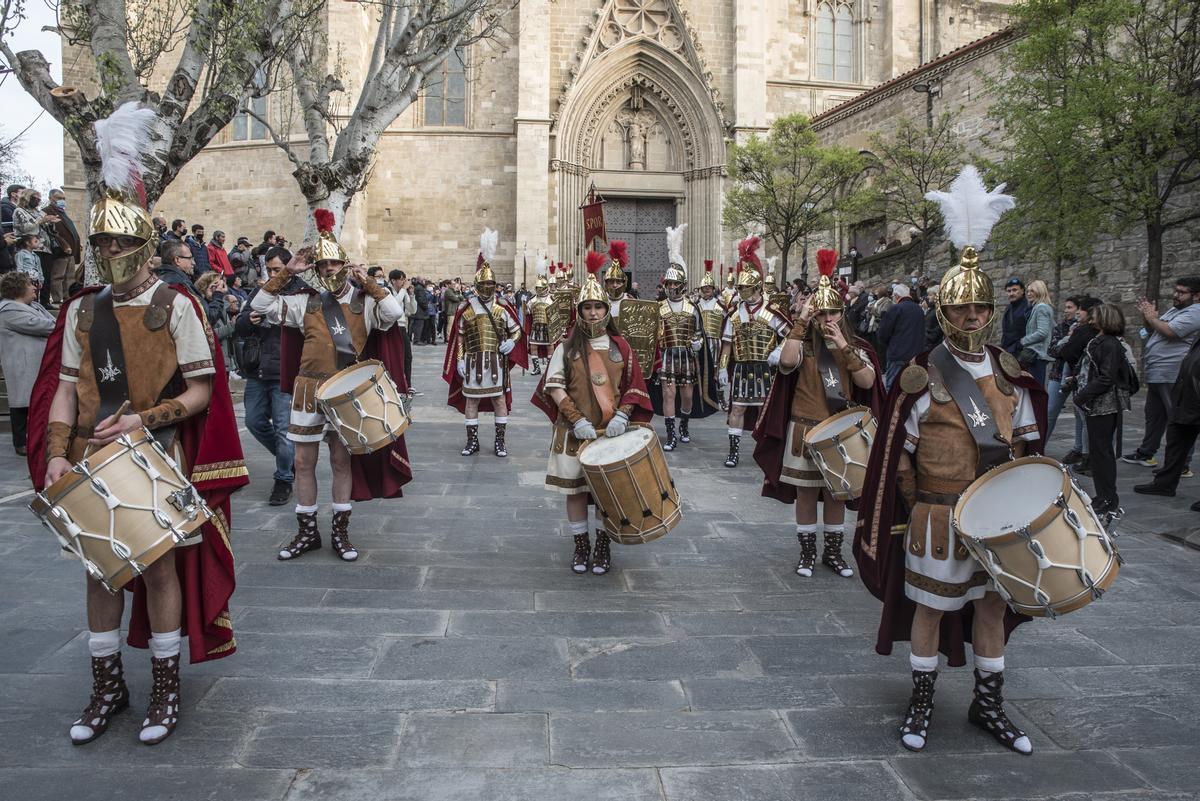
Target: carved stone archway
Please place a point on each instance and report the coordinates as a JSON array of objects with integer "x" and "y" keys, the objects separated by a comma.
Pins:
[{"x": 683, "y": 102}]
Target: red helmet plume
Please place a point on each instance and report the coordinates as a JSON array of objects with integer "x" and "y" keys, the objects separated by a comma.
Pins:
[
  {"x": 748, "y": 252},
  {"x": 708, "y": 263},
  {"x": 595, "y": 261},
  {"x": 618, "y": 251},
  {"x": 324, "y": 220},
  {"x": 827, "y": 261}
]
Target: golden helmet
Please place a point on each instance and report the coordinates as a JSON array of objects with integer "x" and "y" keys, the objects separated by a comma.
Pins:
[
  {"x": 962, "y": 284},
  {"x": 115, "y": 215},
  {"x": 708, "y": 279},
  {"x": 123, "y": 138},
  {"x": 328, "y": 249},
  {"x": 591, "y": 289},
  {"x": 749, "y": 278},
  {"x": 673, "y": 273},
  {"x": 827, "y": 298},
  {"x": 728, "y": 277},
  {"x": 618, "y": 251}
]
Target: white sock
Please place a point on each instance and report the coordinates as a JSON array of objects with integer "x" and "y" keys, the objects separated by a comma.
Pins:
[
  {"x": 501, "y": 421},
  {"x": 578, "y": 527},
  {"x": 806, "y": 528},
  {"x": 474, "y": 422},
  {"x": 301, "y": 509},
  {"x": 342, "y": 507},
  {"x": 104, "y": 643},
  {"x": 735, "y": 432},
  {"x": 838, "y": 529},
  {"x": 164, "y": 644},
  {"x": 925, "y": 664},
  {"x": 670, "y": 419},
  {"x": 987, "y": 665}
]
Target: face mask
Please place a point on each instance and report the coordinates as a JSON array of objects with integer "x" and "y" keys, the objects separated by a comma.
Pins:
[{"x": 62, "y": 204}]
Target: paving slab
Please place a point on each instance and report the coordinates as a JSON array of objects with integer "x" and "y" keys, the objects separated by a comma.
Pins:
[
  {"x": 475, "y": 741},
  {"x": 458, "y": 784}
]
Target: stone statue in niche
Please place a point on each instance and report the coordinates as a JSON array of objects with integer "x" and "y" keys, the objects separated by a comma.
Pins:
[{"x": 638, "y": 126}]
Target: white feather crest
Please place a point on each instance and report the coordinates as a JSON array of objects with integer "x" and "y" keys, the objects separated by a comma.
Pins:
[
  {"x": 121, "y": 139},
  {"x": 489, "y": 242},
  {"x": 771, "y": 264},
  {"x": 969, "y": 209},
  {"x": 542, "y": 265},
  {"x": 675, "y": 244}
]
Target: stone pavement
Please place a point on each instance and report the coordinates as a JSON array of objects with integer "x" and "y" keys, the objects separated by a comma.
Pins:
[{"x": 460, "y": 658}]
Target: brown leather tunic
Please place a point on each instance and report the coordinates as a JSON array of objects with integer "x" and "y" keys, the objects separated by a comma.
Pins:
[
  {"x": 318, "y": 358},
  {"x": 578, "y": 378}
]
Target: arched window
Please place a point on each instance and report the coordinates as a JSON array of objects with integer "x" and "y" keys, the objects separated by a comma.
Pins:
[{"x": 835, "y": 42}]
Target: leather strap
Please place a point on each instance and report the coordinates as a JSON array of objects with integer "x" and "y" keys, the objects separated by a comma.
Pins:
[
  {"x": 976, "y": 412},
  {"x": 937, "y": 498},
  {"x": 831, "y": 377},
  {"x": 108, "y": 355},
  {"x": 343, "y": 343}
]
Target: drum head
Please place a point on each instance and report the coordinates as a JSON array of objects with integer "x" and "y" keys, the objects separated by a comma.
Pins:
[
  {"x": 607, "y": 450},
  {"x": 836, "y": 424},
  {"x": 1009, "y": 499},
  {"x": 347, "y": 380}
]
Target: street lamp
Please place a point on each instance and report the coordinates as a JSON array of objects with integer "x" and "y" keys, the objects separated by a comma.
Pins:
[{"x": 930, "y": 89}]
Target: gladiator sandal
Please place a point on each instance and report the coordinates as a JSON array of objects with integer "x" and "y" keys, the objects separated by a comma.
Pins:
[
  {"x": 109, "y": 696},
  {"x": 831, "y": 554},
  {"x": 601, "y": 558},
  {"x": 808, "y": 553},
  {"x": 472, "y": 446},
  {"x": 583, "y": 550},
  {"x": 684, "y": 436},
  {"x": 915, "y": 729},
  {"x": 308, "y": 537},
  {"x": 732, "y": 459},
  {"x": 537, "y": 367},
  {"x": 669, "y": 445},
  {"x": 163, "y": 713},
  {"x": 987, "y": 712},
  {"x": 340, "y": 536},
  {"x": 500, "y": 449}
]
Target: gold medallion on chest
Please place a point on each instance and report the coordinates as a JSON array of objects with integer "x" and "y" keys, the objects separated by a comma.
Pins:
[
  {"x": 599, "y": 379},
  {"x": 156, "y": 316}
]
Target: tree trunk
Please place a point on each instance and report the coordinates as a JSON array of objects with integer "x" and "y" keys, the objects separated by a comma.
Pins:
[
  {"x": 783, "y": 272},
  {"x": 1154, "y": 249},
  {"x": 1058, "y": 265}
]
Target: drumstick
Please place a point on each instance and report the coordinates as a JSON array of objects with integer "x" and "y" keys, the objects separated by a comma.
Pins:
[{"x": 120, "y": 412}]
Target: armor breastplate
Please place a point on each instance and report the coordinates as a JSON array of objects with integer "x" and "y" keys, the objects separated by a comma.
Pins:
[
  {"x": 712, "y": 320},
  {"x": 754, "y": 339},
  {"x": 540, "y": 309},
  {"x": 479, "y": 331},
  {"x": 679, "y": 327}
]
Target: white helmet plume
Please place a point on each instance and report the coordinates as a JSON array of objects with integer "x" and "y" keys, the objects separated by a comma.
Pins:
[
  {"x": 489, "y": 242},
  {"x": 675, "y": 245},
  {"x": 121, "y": 139},
  {"x": 970, "y": 209},
  {"x": 542, "y": 265}
]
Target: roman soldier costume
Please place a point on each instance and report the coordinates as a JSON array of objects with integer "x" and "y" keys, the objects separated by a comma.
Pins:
[
  {"x": 602, "y": 389},
  {"x": 680, "y": 338},
  {"x": 538, "y": 311},
  {"x": 820, "y": 386},
  {"x": 751, "y": 341},
  {"x": 955, "y": 412},
  {"x": 712, "y": 310},
  {"x": 485, "y": 342},
  {"x": 729, "y": 293},
  {"x": 146, "y": 348},
  {"x": 618, "y": 253},
  {"x": 325, "y": 332}
]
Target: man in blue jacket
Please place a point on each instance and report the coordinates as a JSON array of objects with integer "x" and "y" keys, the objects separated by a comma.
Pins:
[{"x": 1015, "y": 316}]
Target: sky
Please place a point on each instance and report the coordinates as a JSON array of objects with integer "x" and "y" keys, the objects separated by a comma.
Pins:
[{"x": 42, "y": 145}]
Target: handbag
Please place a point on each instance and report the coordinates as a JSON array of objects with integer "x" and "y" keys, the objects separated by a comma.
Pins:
[{"x": 1027, "y": 357}]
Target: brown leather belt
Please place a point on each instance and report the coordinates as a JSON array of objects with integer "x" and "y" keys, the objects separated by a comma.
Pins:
[
  {"x": 937, "y": 498},
  {"x": 804, "y": 421},
  {"x": 312, "y": 374},
  {"x": 943, "y": 492}
]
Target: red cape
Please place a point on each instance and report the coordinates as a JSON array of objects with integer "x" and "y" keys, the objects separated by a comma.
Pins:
[
  {"x": 211, "y": 445},
  {"x": 770, "y": 433},
  {"x": 519, "y": 356},
  {"x": 883, "y": 519},
  {"x": 632, "y": 389},
  {"x": 381, "y": 474}
]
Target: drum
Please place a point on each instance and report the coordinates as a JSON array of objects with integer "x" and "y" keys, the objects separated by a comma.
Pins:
[
  {"x": 1034, "y": 531},
  {"x": 122, "y": 508},
  {"x": 631, "y": 485},
  {"x": 840, "y": 445},
  {"x": 364, "y": 406}
]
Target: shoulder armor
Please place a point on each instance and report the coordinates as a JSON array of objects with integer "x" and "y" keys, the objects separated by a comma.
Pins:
[
  {"x": 314, "y": 304},
  {"x": 1009, "y": 365},
  {"x": 914, "y": 379}
]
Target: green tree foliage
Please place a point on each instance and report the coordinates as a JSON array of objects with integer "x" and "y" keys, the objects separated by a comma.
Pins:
[
  {"x": 787, "y": 184},
  {"x": 1102, "y": 117}
]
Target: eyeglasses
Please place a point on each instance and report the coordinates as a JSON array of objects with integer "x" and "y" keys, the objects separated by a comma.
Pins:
[
  {"x": 124, "y": 242},
  {"x": 188, "y": 257}
]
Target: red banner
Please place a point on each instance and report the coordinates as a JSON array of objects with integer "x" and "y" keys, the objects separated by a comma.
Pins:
[{"x": 593, "y": 223}]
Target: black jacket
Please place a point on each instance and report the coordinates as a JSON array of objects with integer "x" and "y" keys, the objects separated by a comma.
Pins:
[
  {"x": 933, "y": 329},
  {"x": 901, "y": 332},
  {"x": 1185, "y": 392},
  {"x": 1073, "y": 349},
  {"x": 1015, "y": 318},
  {"x": 268, "y": 336},
  {"x": 1110, "y": 371}
]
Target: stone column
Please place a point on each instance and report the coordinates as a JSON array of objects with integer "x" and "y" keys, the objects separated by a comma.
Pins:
[
  {"x": 532, "y": 128},
  {"x": 750, "y": 76}
]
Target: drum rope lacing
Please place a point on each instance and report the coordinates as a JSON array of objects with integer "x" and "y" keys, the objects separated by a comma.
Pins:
[
  {"x": 989, "y": 559},
  {"x": 182, "y": 496}
]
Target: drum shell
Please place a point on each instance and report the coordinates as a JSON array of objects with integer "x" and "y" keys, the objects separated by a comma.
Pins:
[
  {"x": 147, "y": 540},
  {"x": 636, "y": 496},
  {"x": 339, "y": 410},
  {"x": 829, "y": 461},
  {"x": 1067, "y": 591}
]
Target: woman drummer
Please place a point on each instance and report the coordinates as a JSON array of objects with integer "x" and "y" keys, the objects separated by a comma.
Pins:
[
  {"x": 824, "y": 369},
  {"x": 593, "y": 386}
]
